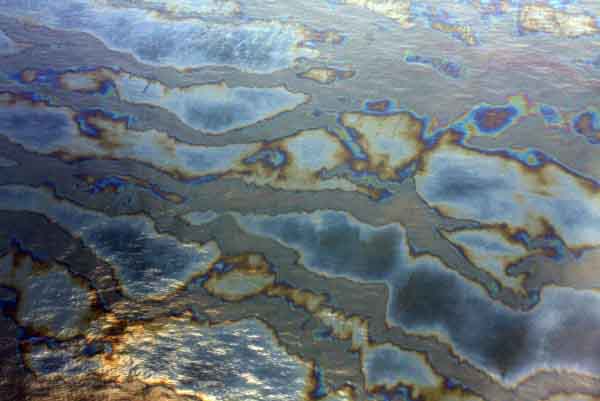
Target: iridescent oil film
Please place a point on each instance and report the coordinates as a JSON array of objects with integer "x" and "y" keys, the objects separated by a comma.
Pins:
[{"x": 299, "y": 200}]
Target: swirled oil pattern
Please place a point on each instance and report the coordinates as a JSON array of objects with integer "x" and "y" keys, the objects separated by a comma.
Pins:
[
  {"x": 312, "y": 236},
  {"x": 326, "y": 75},
  {"x": 119, "y": 183},
  {"x": 491, "y": 250},
  {"x": 562, "y": 19},
  {"x": 131, "y": 243},
  {"x": 236, "y": 278},
  {"x": 196, "y": 43},
  {"x": 295, "y": 162},
  {"x": 39, "y": 286},
  {"x": 241, "y": 356},
  {"x": 547, "y": 19},
  {"x": 212, "y": 108},
  {"x": 534, "y": 186},
  {"x": 445, "y": 67},
  {"x": 334, "y": 200}
]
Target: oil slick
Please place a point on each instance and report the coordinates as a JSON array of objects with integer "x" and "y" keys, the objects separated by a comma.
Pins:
[
  {"x": 56, "y": 130},
  {"x": 492, "y": 251},
  {"x": 440, "y": 20},
  {"x": 263, "y": 104},
  {"x": 389, "y": 369},
  {"x": 443, "y": 66},
  {"x": 262, "y": 46},
  {"x": 384, "y": 143},
  {"x": 397, "y": 10},
  {"x": 383, "y": 363},
  {"x": 407, "y": 14},
  {"x": 326, "y": 75},
  {"x": 202, "y": 360},
  {"x": 121, "y": 183},
  {"x": 335, "y": 244},
  {"x": 148, "y": 264},
  {"x": 236, "y": 278},
  {"x": 508, "y": 345},
  {"x": 551, "y": 115},
  {"x": 296, "y": 162},
  {"x": 547, "y": 19},
  {"x": 196, "y": 360},
  {"x": 368, "y": 254},
  {"x": 587, "y": 124},
  {"x": 543, "y": 199},
  {"x": 493, "y": 120},
  {"x": 60, "y": 361},
  {"x": 39, "y": 285},
  {"x": 386, "y": 368},
  {"x": 213, "y": 108}
]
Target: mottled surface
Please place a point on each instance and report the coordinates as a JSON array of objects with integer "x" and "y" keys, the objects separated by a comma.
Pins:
[{"x": 336, "y": 200}]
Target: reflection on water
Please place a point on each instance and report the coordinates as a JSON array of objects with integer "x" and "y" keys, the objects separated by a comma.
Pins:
[{"x": 299, "y": 200}]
